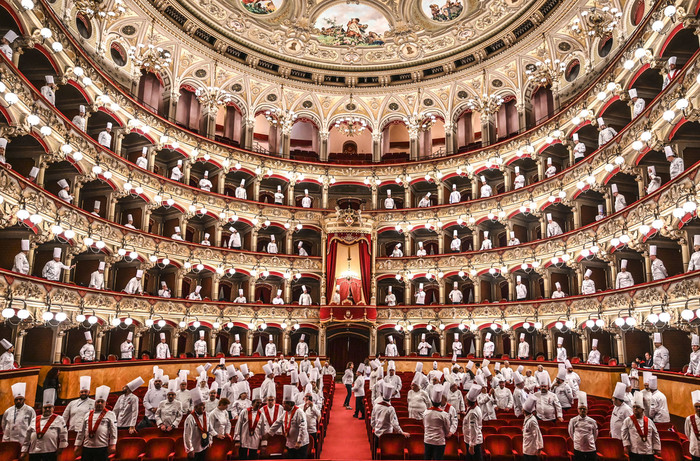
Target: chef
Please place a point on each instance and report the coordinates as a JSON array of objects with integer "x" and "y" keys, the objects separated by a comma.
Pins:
[
  {"x": 658, "y": 270},
  {"x": 87, "y": 352},
  {"x": 624, "y": 278},
  {"x": 305, "y": 297},
  {"x": 397, "y": 253},
  {"x": 456, "y": 244},
  {"x": 692, "y": 423},
  {"x": 21, "y": 264},
  {"x": 134, "y": 285},
  {"x": 196, "y": 294},
  {"x": 49, "y": 89},
  {"x": 654, "y": 180},
  {"x": 620, "y": 202},
  {"x": 456, "y": 346},
  {"x": 489, "y": 346},
  {"x": 520, "y": 289},
  {"x": 301, "y": 250},
  {"x": 388, "y": 201},
  {"x": 486, "y": 190},
  {"x": 588, "y": 285},
  {"x": 236, "y": 347},
  {"x": 200, "y": 346},
  {"x": 127, "y": 347},
  {"x": 7, "y": 359},
  {"x": 513, "y": 239},
  {"x": 240, "y": 299},
  {"x": 198, "y": 432},
  {"x": 486, "y": 243},
  {"x": 206, "y": 241},
  {"x": 306, "y": 201},
  {"x": 164, "y": 291},
  {"x": 640, "y": 438},
  {"x": 455, "y": 195},
  {"x": 127, "y": 407},
  {"x": 523, "y": 348},
  {"x": 176, "y": 173},
  {"x": 294, "y": 423},
  {"x": 548, "y": 405},
  {"x": 579, "y": 148},
  {"x": 638, "y": 104},
  {"x": 423, "y": 346},
  {"x": 694, "y": 263},
  {"x": 390, "y": 350},
  {"x": 170, "y": 411},
  {"x": 162, "y": 349},
  {"x": 270, "y": 348},
  {"x": 279, "y": 196},
  {"x": 558, "y": 293},
  {"x": 272, "y": 245},
  {"x": 302, "y": 348},
  {"x": 658, "y": 404},
  {"x": 64, "y": 192},
  {"x": 583, "y": 431},
  {"x": 17, "y": 418},
  {"x": 97, "y": 278},
  {"x": 98, "y": 436},
  {"x": 519, "y": 181},
  {"x": 621, "y": 411},
  {"x": 594, "y": 355},
  {"x": 677, "y": 165},
  {"x": 278, "y": 298},
  {"x": 204, "y": 183},
  {"x": 390, "y": 298},
  {"x": 142, "y": 161},
  {"x": 234, "y": 241},
  {"x": 694, "y": 364},
  {"x": 77, "y": 409},
  {"x": 606, "y": 133},
  {"x": 6, "y": 42},
  {"x": 553, "y": 227},
  {"x": 47, "y": 434},
  {"x": 420, "y": 295},
  {"x": 551, "y": 169},
  {"x": 425, "y": 201},
  {"x": 561, "y": 351},
  {"x": 672, "y": 72},
  {"x": 421, "y": 250},
  {"x": 601, "y": 212},
  {"x": 52, "y": 268},
  {"x": 105, "y": 138}
]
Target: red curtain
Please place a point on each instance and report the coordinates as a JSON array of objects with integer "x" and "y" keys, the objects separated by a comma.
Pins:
[
  {"x": 332, "y": 251},
  {"x": 365, "y": 265},
  {"x": 366, "y": 268}
]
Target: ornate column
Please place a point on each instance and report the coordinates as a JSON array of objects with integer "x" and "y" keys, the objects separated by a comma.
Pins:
[
  {"x": 251, "y": 288},
  {"x": 443, "y": 344},
  {"x": 256, "y": 188},
  {"x": 118, "y": 138},
  {"x": 220, "y": 182},
  {"x": 323, "y": 137},
  {"x": 146, "y": 218},
  {"x": 289, "y": 241},
  {"x": 42, "y": 172},
  {"x": 547, "y": 279},
  {"x": 111, "y": 205},
  {"x": 440, "y": 192},
  {"x": 407, "y": 293},
  {"x": 507, "y": 178},
  {"x": 58, "y": 342},
  {"x": 19, "y": 342},
  {"x": 290, "y": 194},
  {"x": 585, "y": 340},
  {"x": 540, "y": 167},
  {"x": 249, "y": 343},
  {"x": 477, "y": 290},
  {"x": 77, "y": 187},
  {"x": 620, "y": 345},
  {"x": 287, "y": 293},
  {"x": 514, "y": 339},
  {"x": 186, "y": 170},
  {"x": 212, "y": 342},
  {"x": 247, "y": 133},
  {"x": 685, "y": 251},
  {"x": 511, "y": 286},
  {"x": 324, "y": 195},
  {"x": 449, "y": 138},
  {"x": 613, "y": 272},
  {"x": 286, "y": 135},
  {"x": 408, "y": 244},
  {"x": 215, "y": 281},
  {"x": 172, "y": 103},
  {"x": 322, "y": 340},
  {"x": 324, "y": 237},
  {"x": 441, "y": 285},
  {"x": 608, "y": 200},
  {"x": 174, "y": 342},
  {"x": 407, "y": 196},
  {"x": 475, "y": 187},
  {"x": 647, "y": 265},
  {"x": 441, "y": 243},
  {"x": 375, "y": 198},
  {"x": 577, "y": 215},
  {"x": 100, "y": 333},
  {"x": 477, "y": 343},
  {"x": 406, "y": 343},
  {"x": 373, "y": 341},
  {"x": 488, "y": 129},
  {"x": 151, "y": 158},
  {"x": 254, "y": 239},
  {"x": 177, "y": 289},
  {"x": 209, "y": 120},
  {"x": 377, "y": 146},
  {"x": 374, "y": 264},
  {"x": 551, "y": 347}
]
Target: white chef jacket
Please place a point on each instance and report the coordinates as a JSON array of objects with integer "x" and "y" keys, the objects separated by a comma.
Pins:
[
  {"x": 639, "y": 106},
  {"x": 584, "y": 433},
  {"x": 550, "y": 171},
  {"x": 489, "y": 347},
  {"x": 126, "y": 410},
  {"x": 624, "y": 280},
  {"x": 21, "y": 264},
  {"x": 389, "y": 203},
  {"x": 142, "y": 162},
  {"x": 279, "y": 198},
  {"x": 418, "y": 402},
  {"x": 420, "y": 297},
  {"x": 618, "y": 416},
  {"x": 579, "y": 150},
  {"x": 390, "y": 299},
  {"x": 306, "y": 202},
  {"x": 558, "y": 294},
  {"x": 487, "y": 405},
  {"x": 605, "y": 136},
  {"x": 486, "y": 244},
  {"x": 176, "y": 173},
  {"x": 270, "y": 350},
  {"x": 169, "y": 413},
  {"x": 472, "y": 427},
  {"x": 105, "y": 435},
  {"x": 457, "y": 347},
  {"x": 134, "y": 286},
  {"x": 152, "y": 399},
  {"x": 205, "y": 184},
  {"x": 587, "y": 287},
  {"x": 97, "y": 280},
  {"x": 87, "y": 353},
  {"x": 504, "y": 398},
  {"x": 218, "y": 419},
  {"x": 277, "y": 300},
  {"x": 105, "y": 139},
  {"x": 513, "y": 241},
  {"x": 594, "y": 358},
  {"x": 424, "y": 203},
  {"x": 267, "y": 388},
  {"x": 127, "y": 350},
  {"x": 694, "y": 263},
  {"x": 298, "y": 431},
  {"x": 52, "y": 270},
  {"x": 455, "y": 197},
  {"x": 49, "y": 94},
  {"x": 305, "y": 299},
  {"x": 519, "y": 397},
  {"x": 574, "y": 381},
  {"x": 694, "y": 364},
  {"x": 456, "y": 244},
  {"x": 564, "y": 394},
  {"x": 7, "y": 361},
  {"x": 55, "y": 437},
  {"x": 162, "y": 351},
  {"x": 75, "y": 412},
  {"x": 523, "y": 349},
  {"x": 548, "y": 406},
  {"x": 437, "y": 426},
  {"x": 390, "y": 350},
  {"x": 396, "y": 382},
  {"x": 272, "y": 248},
  {"x": 677, "y": 167},
  {"x": 658, "y": 270},
  {"x": 302, "y": 349},
  {"x": 242, "y": 433},
  {"x": 661, "y": 358},
  {"x": 521, "y": 291},
  {"x": 234, "y": 241},
  {"x": 15, "y": 423},
  {"x": 620, "y": 202},
  {"x": 65, "y": 196},
  {"x": 692, "y": 436},
  {"x": 7, "y": 51},
  {"x": 303, "y": 252},
  {"x": 658, "y": 408},
  {"x": 200, "y": 347},
  {"x": 632, "y": 440},
  {"x": 486, "y": 190},
  {"x": 553, "y": 228},
  {"x": 185, "y": 399},
  {"x": 384, "y": 419},
  {"x": 519, "y": 182},
  {"x": 668, "y": 77},
  {"x": 192, "y": 436},
  {"x": 561, "y": 354},
  {"x": 236, "y": 349},
  {"x": 532, "y": 436},
  {"x": 424, "y": 348},
  {"x": 456, "y": 399},
  {"x": 654, "y": 184}
]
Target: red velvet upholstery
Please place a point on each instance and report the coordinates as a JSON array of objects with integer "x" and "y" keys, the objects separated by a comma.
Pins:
[
  {"x": 498, "y": 447},
  {"x": 555, "y": 448},
  {"x": 391, "y": 446},
  {"x": 415, "y": 447},
  {"x": 159, "y": 448},
  {"x": 129, "y": 449},
  {"x": 610, "y": 449},
  {"x": 10, "y": 451},
  {"x": 671, "y": 450}
]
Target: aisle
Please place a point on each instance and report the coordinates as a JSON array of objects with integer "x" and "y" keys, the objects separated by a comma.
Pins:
[{"x": 346, "y": 437}]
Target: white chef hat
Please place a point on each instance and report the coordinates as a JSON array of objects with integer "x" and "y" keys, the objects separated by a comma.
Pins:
[
  {"x": 302, "y": 337},
  {"x": 387, "y": 391},
  {"x": 601, "y": 208},
  {"x": 267, "y": 369},
  {"x": 19, "y": 390},
  {"x": 24, "y": 245},
  {"x": 668, "y": 150},
  {"x": 197, "y": 289},
  {"x": 206, "y": 173},
  {"x": 201, "y": 333},
  {"x": 512, "y": 234},
  {"x": 549, "y": 216},
  {"x": 560, "y": 340},
  {"x": 518, "y": 278},
  {"x": 623, "y": 264},
  {"x": 306, "y": 191},
  {"x": 390, "y": 338},
  {"x": 179, "y": 163},
  {"x": 518, "y": 378},
  {"x": 517, "y": 170},
  {"x": 102, "y": 393},
  {"x": 49, "y": 397},
  {"x": 473, "y": 392},
  {"x": 144, "y": 150},
  {"x": 244, "y": 369},
  {"x": 270, "y": 338},
  {"x": 561, "y": 372},
  {"x": 530, "y": 404},
  {"x": 214, "y": 387},
  {"x": 522, "y": 335},
  {"x": 303, "y": 288},
  {"x": 625, "y": 379},
  {"x": 139, "y": 274},
  {"x": 419, "y": 367},
  {"x": 567, "y": 364},
  {"x": 422, "y": 336},
  {"x": 85, "y": 382},
  {"x": 389, "y": 289},
  {"x": 428, "y": 194},
  {"x": 543, "y": 379},
  {"x": 594, "y": 342},
  {"x": 582, "y": 399},
  {"x": 588, "y": 272},
  {"x": 488, "y": 335},
  {"x": 420, "y": 286},
  {"x": 575, "y": 137},
  {"x": 10, "y": 36},
  {"x": 197, "y": 396},
  {"x": 391, "y": 366},
  {"x": 651, "y": 170},
  {"x": 483, "y": 178},
  {"x": 272, "y": 238},
  {"x": 240, "y": 291},
  {"x": 695, "y": 397},
  {"x": 469, "y": 366},
  {"x": 135, "y": 384},
  {"x": 672, "y": 60},
  {"x": 109, "y": 125},
  {"x": 57, "y": 252},
  {"x": 657, "y": 338},
  {"x": 162, "y": 335},
  {"x": 34, "y": 172},
  {"x": 62, "y": 183},
  {"x": 288, "y": 393},
  {"x": 613, "y": 188},
  {"x": 5, "y": 343},
  {"x": 696, "y": 239},
  {"x": 173, "y": 385},
  {"x": 436, "y": 393},
  {"x": 88, "y": 336},
  {"x": 486, "y": 234},
  {"x": 420, "y": 244},
  {"x": 454, "y": 233},
  {"x": 694, "y": 340},
  {"x": 632, "y": 92},
  {"x": 638, "y": 400},
  {"x": 97, "y": 204},
  {"x": 601, "y": 122},
  {"x": 206, "y": 235},
  {"x": 242, "y": 182},
  {"x": 620, "y": 391},
  {"x": 130, "y": 336},
  {"x": 49, "y": 79},
  {"x": 549, "y": 160},
  {"x": 652, "y": 250},
  {"x": 177, "y": 229},
  {"x": 653, "y": 383},
  {"x": 3, "y": 143},
  {"x": 558, "y": 285}
]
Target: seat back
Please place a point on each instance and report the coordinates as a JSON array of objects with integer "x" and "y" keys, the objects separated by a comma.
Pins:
[
  {"x": 610, "y": 448},
  {"x": 498, "y": 445},
  {"x": 518, "y": 445},
  {"x": 415, "y": 446},
  {"x": 275, "y": 445},
  {"x": 180, "y": 453},
  {"x": 391, "y": 446},
  {"x": 452, "y": 448},
  {"x": 560, "y": 431},
  {"x": 10, "y": 451},
  {"x": 510, "y": 431},
  {"x": 130, "y": 448},
  {"x": 159, "y": 448},
  {"x": 555, "y": 445},
  {"x": 671, "y": 450},
  {"x": 220, "y": 449}
]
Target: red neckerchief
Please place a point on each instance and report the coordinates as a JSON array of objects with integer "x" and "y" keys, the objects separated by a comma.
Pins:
[
  {"x": 435, "y": 408},
  {"x": 447, "y": 407},
  {"x": 252, "y": 424},
  {"x": 694, "y": 423},
  {"x": 672, "y": 74},
  {"x": 40, "y": 432},
  {"x": 93, "y": 429},
  {"x": 266, "y": 409},
  {"x": 288, "y": 415},
  {"x": 644, "y": 434},
  {"x": 203, "y": 426}
]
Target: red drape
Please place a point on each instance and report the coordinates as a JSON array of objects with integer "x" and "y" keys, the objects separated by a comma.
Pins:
[
  {"x": 330, "y": 266},
  {"x": 366, "y": 268}
]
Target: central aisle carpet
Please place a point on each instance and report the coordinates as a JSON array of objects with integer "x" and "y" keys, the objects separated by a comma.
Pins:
[{"x": 346, "y": 437}]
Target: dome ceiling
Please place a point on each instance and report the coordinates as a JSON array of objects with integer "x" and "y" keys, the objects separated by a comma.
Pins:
[{"x": 357, "y": 35}]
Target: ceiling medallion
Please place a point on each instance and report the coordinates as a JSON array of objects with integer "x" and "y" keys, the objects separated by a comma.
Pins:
[
  {"x": 352, "y": 25},
  {"x": 496, "y": 83},
  {"x": 128, "y": 30},
  {"x": 272, "y": 97},
  {"x": 462, "y": 94},
  {"x": 350, "y": 107},
  {"x": 393, "y": 106},
  {"x": 428, "y": 102},
  {"x": 449, "y": 11},
  {"x": 200, "y": 73},
  {"x": 307, "y": 104},
  {"x": 294, "y": 47},
  {"x": 410, "y": 51},
  {"x": 236, "y": 87},
  {"x": 564, "y": 46}
]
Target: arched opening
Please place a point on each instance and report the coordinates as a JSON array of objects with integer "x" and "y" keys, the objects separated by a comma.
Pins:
[
  {"x": 617, "y": 115},
  {"x": 23, "y": 153},
  {"x": 229, "y": 125},
  {"x": 266, "y": 135},
  {"x": 431, "y": 141},
  {"x": 150, "y": 92},
  {"x": 230, "y": 284},
  {"x": 69, "y": 100},
  {"x": 266, "y": 289},
  {"x": 687, "y": 143},
  {"x": 542, "y": 103},
  {"x": 303, "y": 140},
  {"x": 188, "y": 113},
  {"x": 349, "y": 147},
  {"x": 507, "y": 122},
  {"x": 38, "y": 346},
  {"x": 468, "y": 131},
  {"x": 683, "y": 45},
  {"x": 396, "y": 144},
  {"x": 35, "y": 66},
  {"x": 347, "y": 343}
]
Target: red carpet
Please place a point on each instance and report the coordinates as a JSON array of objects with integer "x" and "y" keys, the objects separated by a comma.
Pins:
[{"x": 346, "y": 437}]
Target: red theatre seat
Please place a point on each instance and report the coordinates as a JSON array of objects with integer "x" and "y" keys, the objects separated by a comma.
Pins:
[
  {"x": 671, "y": 450},
  {"x": 391, "y": 446},
  {"x": 610, "y": 449},
  {"x": 220, "y": 449},
  {"x": 159, "y": 448},
  {"x": 498, "y": 447},
  {"x": 180, "y": 453},
  {"x": 415, "y": 446},
  {"x": 129, "y": 449},
  {"x": 555, "y": 448},
  {"x": 10, "y": 451},
  {"x": 275, "y": 445},
  {"x": 452, "y": 448}
]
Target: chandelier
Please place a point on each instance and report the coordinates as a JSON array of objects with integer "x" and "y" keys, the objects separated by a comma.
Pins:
[
  {"x": 148, "y": 56},
  {"x": 350, "y": 126},
  {"x": 100, "y": 9},
  {"x": 488, "y": 104},
  {"x": 546, "y": 72},
  {"x": 213, "y": 96},
  {"x": 597, "y": 22},
  {"x": 284, "y": 118},
  {"x": 420, "y": 122}
]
